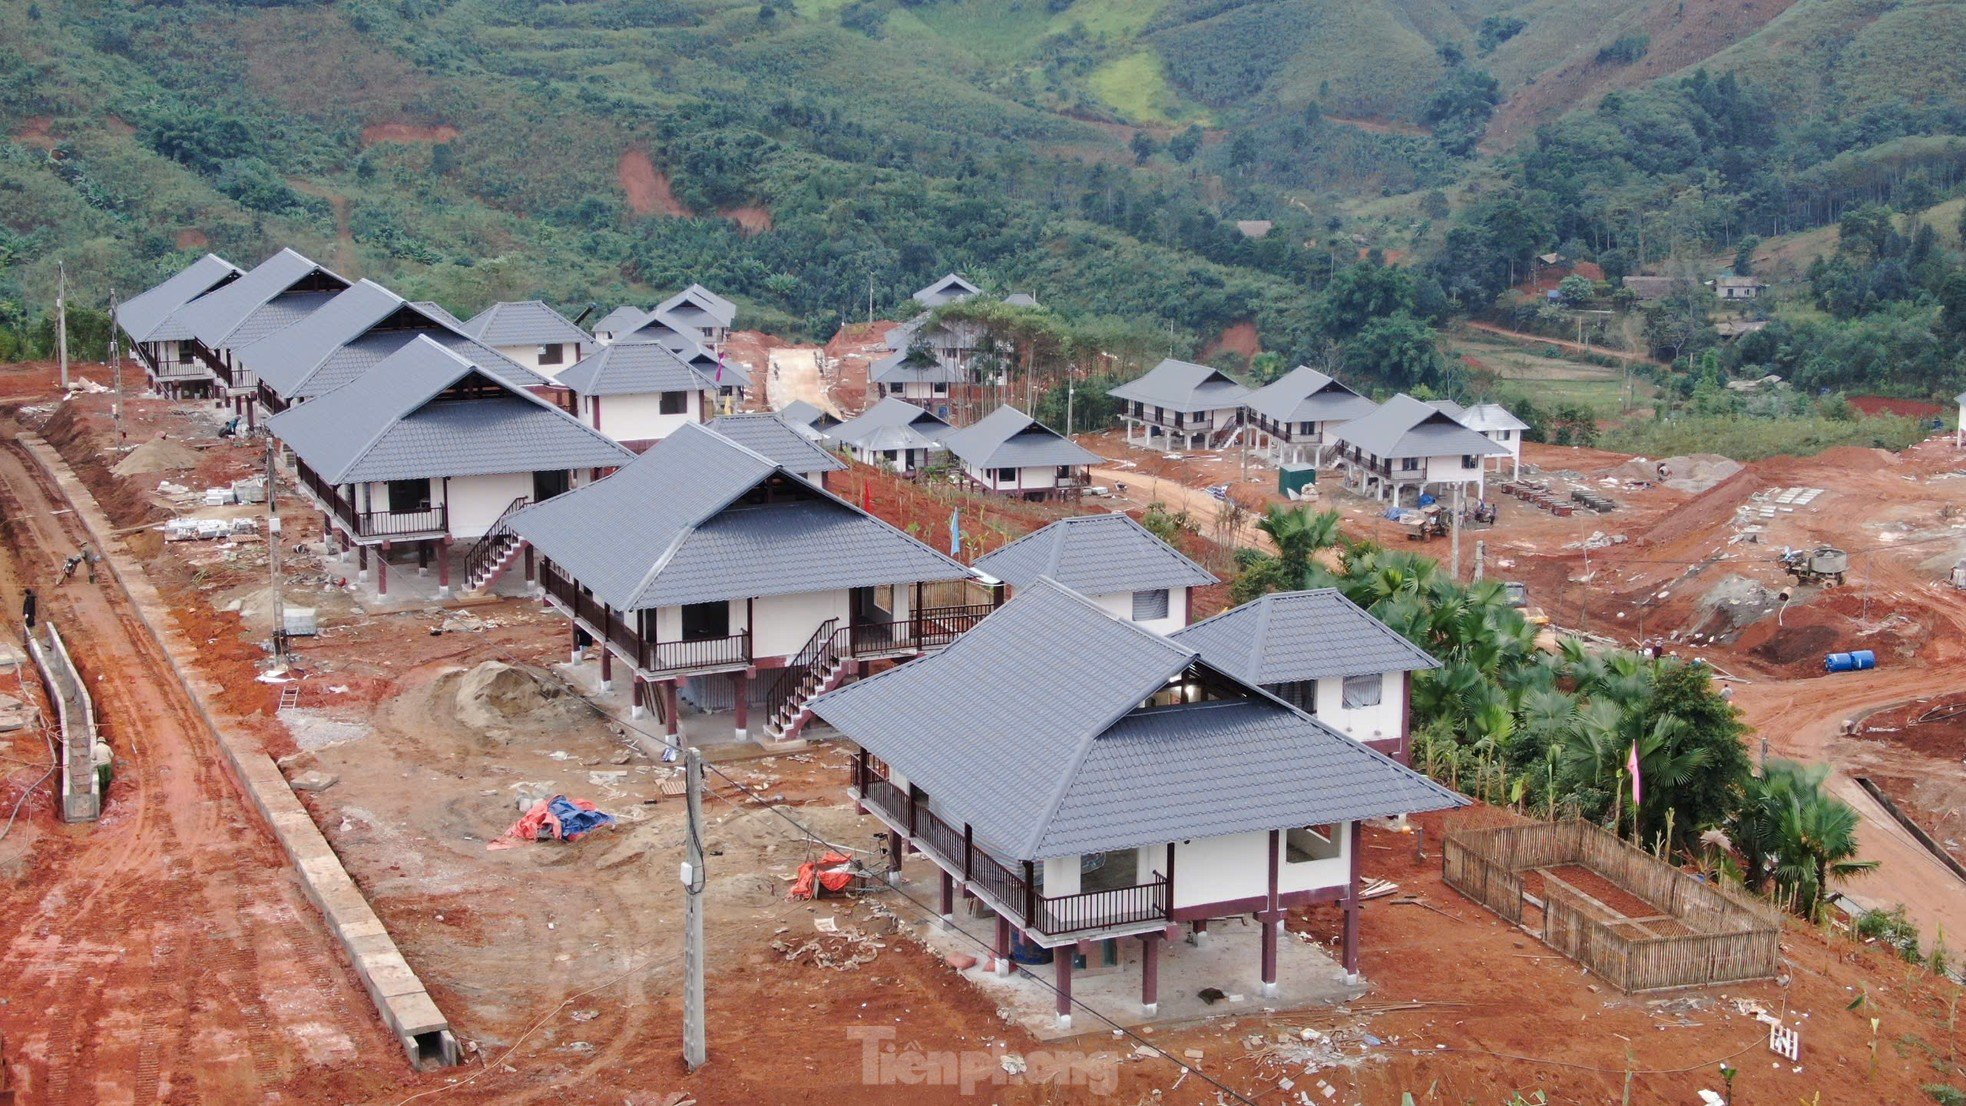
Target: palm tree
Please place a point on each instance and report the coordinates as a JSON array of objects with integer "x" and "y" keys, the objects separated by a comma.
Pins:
[{"x": 1790, "y": 829}]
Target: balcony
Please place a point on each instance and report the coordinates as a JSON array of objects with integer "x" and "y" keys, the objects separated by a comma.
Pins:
[
  {"x": 428, "y": 522},
  {"x": 1012, "y": 887}
]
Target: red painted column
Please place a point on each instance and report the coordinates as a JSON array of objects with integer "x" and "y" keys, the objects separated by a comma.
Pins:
[
  {"x": 1061, "y": 959},
  {"x": 443, "y": 566},
  {"x": 635, "y": 697},
  {"x": 1150, "y": 972},
  {"x": 382, "y": 570},
  {"x": 1352, "y": 902},
  {"x": 607, "y": 667},
  {"x": 948, "y": 897},
  {"x": 532, "y": 574},
  {"x": 744, "y": 704},
  {"x": 1201, "y": 933},
  {"x": 361, "y": 562},
  {"x": 671, "y": 724},
  {"x": 1003, "y": 944},
  {"x": 895, "y": 843},
  {"x": 1272, "y": 918}
]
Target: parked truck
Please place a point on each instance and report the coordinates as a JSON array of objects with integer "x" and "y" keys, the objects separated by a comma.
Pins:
[{"x": 1815, "y": 566}]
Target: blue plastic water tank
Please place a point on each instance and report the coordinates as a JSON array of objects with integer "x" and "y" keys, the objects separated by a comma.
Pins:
[
  {"x": 1839, "y": 662},
  {"x": 1863, "y": 658},
  {"x": 1026, "y": 951}
]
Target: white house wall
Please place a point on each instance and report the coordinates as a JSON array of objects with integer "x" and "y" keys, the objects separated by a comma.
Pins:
[
  {"x": 477, "y": 501},
  {"x": 1031, "y": 478},
  {"x": 638, "y": 417},
  {"x": 528, "y": 356},
  {"x": 1381, "y": 722},
  {"x": 782, "y": 624},
  {"x": 1237, "y": 866},
  {"x": 1119, "y": 604}
]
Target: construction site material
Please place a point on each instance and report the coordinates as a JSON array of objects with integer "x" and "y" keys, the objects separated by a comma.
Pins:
[
  {"x": 1857, "y": 660},
  {"x": 1698, "y": 933},
  {"x": 75, "y": 714},
  {"x": 157, "y": 455},
  {"x": 1293, "y": 479},
  {"x": 556, "y": 819},
  {"x": 399, "y": 996}
]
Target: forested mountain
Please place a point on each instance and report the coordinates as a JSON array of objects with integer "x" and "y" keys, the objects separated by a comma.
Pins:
[{"x": 801, "y": 155}]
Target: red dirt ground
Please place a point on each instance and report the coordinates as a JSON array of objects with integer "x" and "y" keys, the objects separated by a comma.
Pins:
[
  {"x": 752, "y": 219},
  {"x": 407, "y": 132},
  {"x": 35, "y": 132},
  {"x": 647, "y": 187},
  {"x": 1240, "y": 339},
  {"x": 192, "y": 239},
  {"x": 1883, "y": 405}
]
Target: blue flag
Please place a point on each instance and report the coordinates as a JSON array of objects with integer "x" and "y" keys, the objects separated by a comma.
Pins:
[{"x": 955, "y": 533}]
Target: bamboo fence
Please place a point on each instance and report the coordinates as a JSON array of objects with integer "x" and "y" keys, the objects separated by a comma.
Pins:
[{"x": 1727, "y": 937}]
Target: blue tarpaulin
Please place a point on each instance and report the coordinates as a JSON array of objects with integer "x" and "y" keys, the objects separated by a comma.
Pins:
[{"x": 574, "y": 821}]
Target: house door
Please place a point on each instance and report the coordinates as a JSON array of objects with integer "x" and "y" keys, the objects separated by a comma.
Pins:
[
  {"x": 546, "y": 485},
  {"x": 705, "y": 620},
  {"x": 873, "y": 604}
]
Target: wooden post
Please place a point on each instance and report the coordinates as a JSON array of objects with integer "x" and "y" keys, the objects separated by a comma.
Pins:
[
  {"x": 444, "y": 567},
  {"x": 1003, "y": 944},
  {"x": 743, "y": 707},
  {"x": 1150, "y": 973},
  {"x": 382, "y": 570},
  {"x": 607, "y": 667},
  {"x": 1030, "y": 896},
  {"x": 672, "y": 725},
  {"x": 948, "y": 897},
  {"x": 969, "y": 852},
  {"x": 1061, "y": 959}
]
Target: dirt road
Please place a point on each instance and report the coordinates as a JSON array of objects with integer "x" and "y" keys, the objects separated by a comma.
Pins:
[
  {"x": 795, "y": 376},
  {"x": 164, "y": 953}
]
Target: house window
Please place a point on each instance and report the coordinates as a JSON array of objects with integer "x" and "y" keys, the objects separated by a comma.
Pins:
[
  {"x": 938, "y": 389},
  {"x": 705, "y": 620},
  {"x": 1301, "y": 694},
  {"x": 675, "y": 403},
  {"x": 1363, "y": 691},
  {"x": 1064, "y": 474},
  {"x": 1469, "y": 460},
  {"x": 1306, "y": 428},
  {"x": 1149, "y": 605},
  {"x": 1007, "y": 476},
  {"x": 552, "y": 353},
  {"x": 1308, "y": 843},
  {"x": 1409, "y": 464},
  {"x": 408, "y": 496}
]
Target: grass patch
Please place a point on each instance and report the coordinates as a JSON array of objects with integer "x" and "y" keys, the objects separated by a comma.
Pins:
[
  {"x": 1747, "y": 438},
  {"x": 1137, "y": 88},
  {"x": 1553, "y": 381},
  {"x": 1114, "y": 18},
  {"x": 1002, "y": 31}
]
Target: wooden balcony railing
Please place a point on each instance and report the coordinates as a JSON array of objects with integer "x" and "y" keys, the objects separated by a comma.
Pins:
[
  {"x": 372, "y": 524},
  {"x": 955, "y": 850},
  {"x": 619, "y": 628}
]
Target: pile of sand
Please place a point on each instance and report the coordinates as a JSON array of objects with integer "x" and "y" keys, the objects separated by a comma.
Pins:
[
  {"x": 499, "y": 696},
  {"x": 159, "y": 454},
  {"x": 1694, "y": 472}
]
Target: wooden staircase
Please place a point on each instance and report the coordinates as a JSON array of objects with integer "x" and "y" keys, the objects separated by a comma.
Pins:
[{"x": 496, "y": 551}]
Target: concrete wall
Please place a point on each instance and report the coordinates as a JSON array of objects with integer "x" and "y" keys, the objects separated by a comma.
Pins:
[
  {"x": 1237, "y": 866},
  {"x": 528, "y": 356},
  {"x": 477, "y": 501},
  {"x": 638, "y": 417},
  {"x": 907, "y": 460},
  {"x": 1031, "y": 478},
  {"x": 783, "y": 623},
  {"x": 1375, "y": 723}
]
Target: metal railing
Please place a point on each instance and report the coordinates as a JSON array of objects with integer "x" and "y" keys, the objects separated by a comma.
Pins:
[
  {"x": 784, "y": 686},
  {"x": 707, "y": 652},
  {"x": 372, "y": 524},
  {"x": 1051, "y": 915},
  {"x": 618, "y": 629},
  {"x": 496, "y": 542}
]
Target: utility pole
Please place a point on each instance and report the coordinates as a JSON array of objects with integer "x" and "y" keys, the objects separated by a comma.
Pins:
[
  {"x": 693, "y": 1050},
  {"x": 115, "y": 369},
  {"x": 273, "y": 555},
  {"x": 870, "y": 299},
  {"x": 1071, "y": 391},
  {"x": 61, "y": 320},
  {"x": 1454, "y": 536}
]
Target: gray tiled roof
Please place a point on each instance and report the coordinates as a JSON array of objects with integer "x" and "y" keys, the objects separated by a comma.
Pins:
[
  {"x": 1301, "y": 635},
  {"x": 634, "y": 367},
  {"x": 1183, "y": 386},
  {"x": 621, "y": 318},
  {"x": 524, "y": 323},
  {"x": 391, "y": 424},
  {"x": 671, "y": 527},
  {"x": 893, "y": 423},
  {"x": 287, "y": 356},
  {"x": 211, "y": 318},
  {"x": 1009, "y": 438},
  {"x": 141, "y": 316},
  {"x": 806, "y": 416},
  {"x": 1073, "y": 763},
  {"x": 1405, "y": 427},
  {"x": 1094, "y": 555},
  {"x": 276, "y": 315},
  {"x": 438, "y": 312},
  {"x": 948, "y": 289},
  {"x": 1491, "y": 416},
  {"x": 765, "y": 433},
  {"x": 1306, "y": 395},
  {"x": 894, "y": 369},
  {"x": 698, "y": 300},
  {"x": 352, "y": 360}
]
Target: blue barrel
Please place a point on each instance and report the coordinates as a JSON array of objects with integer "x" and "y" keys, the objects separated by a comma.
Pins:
[
  {"x": 1839, "y": 662},
  {"x": 1863, "y": 658},
  {"x": 1026, "y": 951}
]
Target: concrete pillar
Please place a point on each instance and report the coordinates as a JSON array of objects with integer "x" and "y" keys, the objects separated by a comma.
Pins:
[
  {"x": 382, "y": 570},
  {"x": 1061, "y": 959},
  {"x": 573, "y": 641},
  {"x": 423, "y": 558},
  {"x": 1003, "y": 944},
  {"x": 1201, "y": 933},
  {"x": 1355, "y": 845},
  {"x": 948, "y": 897},
  {"x": 895, "y": 845},
  {"x": 443, "y": 568},
  {"x": 671, "y": 723},
  {"x": 637, "y": 690},
  {"x": 1150, "y": 973},
  {"x": 607, "y": 668},
  {"x": 743, "y": 708},
  {"x": 361, "y": 562},
  {"x": 1271, "y": 923},
  {"x": 532, "y": 574}
]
